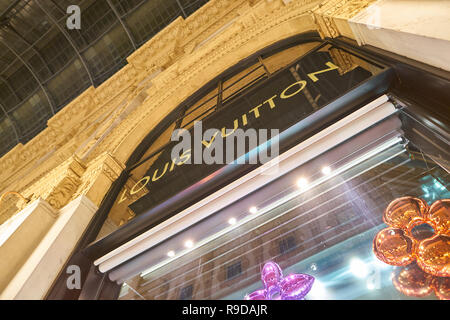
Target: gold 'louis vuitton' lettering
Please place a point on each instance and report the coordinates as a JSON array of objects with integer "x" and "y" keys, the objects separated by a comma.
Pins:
[
  {"x": 330, "y": 66},
  {"x": 208, "y": 144},
  {"x": 301, "y": 84},
  {"x": 290, "y": 91}
]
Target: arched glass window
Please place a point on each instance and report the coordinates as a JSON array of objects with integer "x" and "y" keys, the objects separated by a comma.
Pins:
[
  {"x": 217, "y": 96},
  {"x": 271, "y": 90}
]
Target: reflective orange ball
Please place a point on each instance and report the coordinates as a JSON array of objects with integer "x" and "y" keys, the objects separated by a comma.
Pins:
[
  {"x": 442, "y": 287},
  {"x": 413, "y": 281},
  {"x": 405, "y": 212},
  {"x": 439, "y": 213},
  {"x": 433, "y": 255},
  {"x": 394, "y": 247}
]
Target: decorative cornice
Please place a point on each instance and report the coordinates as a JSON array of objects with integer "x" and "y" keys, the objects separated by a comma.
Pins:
[
  {"x": 343, "y": 60},
  {"x": 101, "y": 173},
  {"x": 328, "y": 12},
  {"x": 205, "y": 19},
  {"x": 158, "y": 51},
  {"x": 75, "y": 111},
  {"x": 65, "y": 183},
  {"x": 121, "y": 80}
]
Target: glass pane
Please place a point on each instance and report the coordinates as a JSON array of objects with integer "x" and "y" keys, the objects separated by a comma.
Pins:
[
  {"x": 324, "y": 227},
  {"x": 277, "y": 103},
  {"x": 202, "y": 108},
  {"x": 281, "y": 59},
  {"x": 242, "y": 80},
  {"x": 274, "y": 103},
  {"x": 135, "y": 187}
]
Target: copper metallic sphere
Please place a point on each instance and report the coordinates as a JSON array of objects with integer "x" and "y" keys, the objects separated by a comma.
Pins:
[
  {"x": 442, "y": 287},
  {"x": 405, "y": 212},
  {"x": 413, "y": 281},
  {"x": 433, "y": 255},
  {"x": 439, "y": 213},
  {"x": 394, "y": 247}
]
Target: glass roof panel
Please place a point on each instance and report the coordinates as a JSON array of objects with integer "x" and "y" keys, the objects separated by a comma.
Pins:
[{"x": 38, "y": 52}]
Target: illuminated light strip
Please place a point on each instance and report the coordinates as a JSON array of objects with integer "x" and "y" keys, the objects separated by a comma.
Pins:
[
  {"x": 275, "y": 204},
  {"x": 331, "y": 136}
]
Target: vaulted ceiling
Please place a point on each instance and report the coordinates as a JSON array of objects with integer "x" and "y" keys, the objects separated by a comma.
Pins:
[{"x": 44, "y": 65}]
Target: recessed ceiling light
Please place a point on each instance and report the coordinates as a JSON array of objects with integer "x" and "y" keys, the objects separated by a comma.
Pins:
[
  {"x": 189, "y": 244},
  {"x": 171, "y": 253},
  {"x": 232, "y": 221},
  {"x": 302, "y": 183},
  {"x": 253, "y": 210},
  {"x": 326, "y": 170}
]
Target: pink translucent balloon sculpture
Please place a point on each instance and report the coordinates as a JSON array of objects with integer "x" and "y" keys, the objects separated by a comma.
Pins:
[{"x": 277, "y": 287}]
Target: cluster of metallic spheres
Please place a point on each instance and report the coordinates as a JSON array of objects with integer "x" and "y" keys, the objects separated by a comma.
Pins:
[{"x": 425, "y": 259}]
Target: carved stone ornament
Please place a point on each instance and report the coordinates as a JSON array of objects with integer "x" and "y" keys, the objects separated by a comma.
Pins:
[{"x": 83, "y": 149}]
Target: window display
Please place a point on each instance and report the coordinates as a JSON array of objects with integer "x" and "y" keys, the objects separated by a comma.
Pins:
[
  {"x": 320, "y": 220},
  {"x": 305, "y": 222}
]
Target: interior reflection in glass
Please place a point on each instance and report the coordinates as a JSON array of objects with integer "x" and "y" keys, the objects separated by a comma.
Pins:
[{"x": 326, "y": 231}]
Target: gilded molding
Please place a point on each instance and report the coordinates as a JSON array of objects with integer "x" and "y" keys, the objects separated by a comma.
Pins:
[
  {"x": 65, "y": 183},
  {"x": 327, "y": 12},
  {"x": 210, "y": 18},
  {"x": 159, "y": 50},
  {"x": 115, "y": 85},
  {"x": 100, "y": 174},
  {"x": 56, "y": 187},
  {"x": 9, "y": 207},
  {"x": 75, "y": 111}
]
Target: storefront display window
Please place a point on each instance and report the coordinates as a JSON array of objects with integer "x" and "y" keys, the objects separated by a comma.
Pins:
[
  {"x": 309, "y": 217},
  {"x": 320, "y": 220}
]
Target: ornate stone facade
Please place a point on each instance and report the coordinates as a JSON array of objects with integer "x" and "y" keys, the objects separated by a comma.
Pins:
[
  {"x": 74, "y": 161},
  {"x": 86, "y": 144}
]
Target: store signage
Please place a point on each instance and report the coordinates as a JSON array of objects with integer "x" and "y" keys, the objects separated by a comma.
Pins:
[{"x": 274, "y": 105}]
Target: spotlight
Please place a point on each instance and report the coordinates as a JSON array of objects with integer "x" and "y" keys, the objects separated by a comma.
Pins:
[
  {"x": 189, "y": 244},
  {"x": 171, "y": 253},
  {"x": 326, "y": 170},
  {"x": 253, "y": 210},
  {"x": 302, "y": 183},
  {"x": 232, "y": 221}
]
